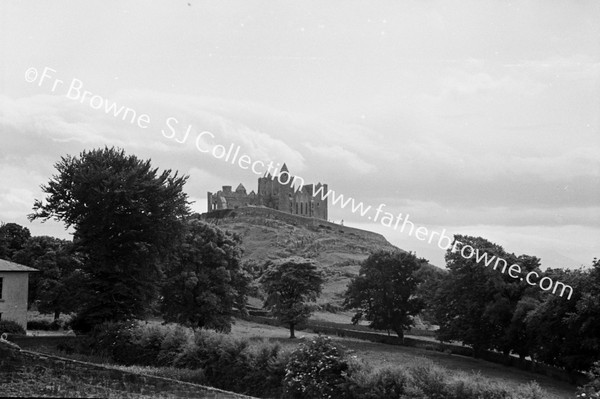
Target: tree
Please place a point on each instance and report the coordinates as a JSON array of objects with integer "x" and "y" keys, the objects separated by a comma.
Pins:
[
  {"x": 12, "y": 238},
  {"x": 384, "y": 291},
  {"x": 127, "y": 219},
  {"x": 54, "y": 287},
  {"x": 205, "y": 281},
  {"x": 475, "y": 304},
  {"x": 567, "y": 332},
  {"x": 289, "y": 283}
]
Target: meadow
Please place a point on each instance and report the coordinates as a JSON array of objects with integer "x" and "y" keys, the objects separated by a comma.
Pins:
[
  {"x": 374, "y": 356},
  {"x": 381, "y": 355}
]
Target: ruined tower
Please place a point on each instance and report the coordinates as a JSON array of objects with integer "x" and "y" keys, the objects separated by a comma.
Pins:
[{"x": 284, "y": 192}]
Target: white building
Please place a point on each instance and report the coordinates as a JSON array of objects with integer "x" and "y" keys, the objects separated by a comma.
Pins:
[{"x": 14, "y": 285}]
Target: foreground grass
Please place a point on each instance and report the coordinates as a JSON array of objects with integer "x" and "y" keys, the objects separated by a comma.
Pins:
[{"x": 48, "y": 383}]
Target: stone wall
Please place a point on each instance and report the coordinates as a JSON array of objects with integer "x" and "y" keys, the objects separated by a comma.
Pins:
[{"x": 14, "y": 359}]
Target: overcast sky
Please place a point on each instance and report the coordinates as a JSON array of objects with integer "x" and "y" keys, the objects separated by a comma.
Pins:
[{"x": 478, "y": 117}]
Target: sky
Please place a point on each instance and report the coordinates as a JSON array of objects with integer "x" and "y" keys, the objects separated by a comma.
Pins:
[{"x": 473, "y": 117}]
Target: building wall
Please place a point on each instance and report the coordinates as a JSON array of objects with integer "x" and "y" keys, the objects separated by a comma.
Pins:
[
  {"x": 13, "y": 304},
  {"x": 275, "y": 195}
]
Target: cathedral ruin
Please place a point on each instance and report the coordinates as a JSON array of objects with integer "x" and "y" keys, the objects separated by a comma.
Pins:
[{"x": 277, "y": 192}]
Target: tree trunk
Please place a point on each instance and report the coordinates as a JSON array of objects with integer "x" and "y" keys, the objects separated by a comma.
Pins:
[
  {"x": 400, "y": 333},
  {"x": 292, "y": 331},
  {"x": 56, "y": 314}
]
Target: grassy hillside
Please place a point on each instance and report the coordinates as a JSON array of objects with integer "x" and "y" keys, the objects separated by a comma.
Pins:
[{"x": 269, "y": 234}]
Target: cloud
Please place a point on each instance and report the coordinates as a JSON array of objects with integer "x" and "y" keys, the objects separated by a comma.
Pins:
[{"x": 340, "y": 158}]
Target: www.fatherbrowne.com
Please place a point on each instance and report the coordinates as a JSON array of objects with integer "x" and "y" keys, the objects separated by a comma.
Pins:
[{"x": 76, "y": 93}]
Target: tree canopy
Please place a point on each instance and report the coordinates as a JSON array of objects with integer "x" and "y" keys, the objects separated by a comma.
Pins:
[
  {"x": 12, "y": 238},
  {"x": 54, "y": 287},
  {"x": 205, "y": 281},
  {"x": 384, "y": 292},
  {"x": 290, "y": 284},
  {"x": 476, "y": 304},
  {"x": 127, "y": 218}
]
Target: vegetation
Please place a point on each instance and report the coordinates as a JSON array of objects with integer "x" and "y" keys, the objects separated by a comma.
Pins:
[
  {"x": 488, "y": 309},
  {"x": 12, "y": 239},
  {"x": 475, "y": 304},
  {"x": 48, "y": 383},
  {"x": 290, "y": 283},
  {"x": 11, "y": 327},
  {"x": 592, "y": 388},
  {"x": 127, "y": 219},
  {"x": 53, "y": 288},
  {"x": 316, "y": 368},
  {"x": 206, "y": 280},
  {"x": 136, "y": 250},
  {"x": 384, "y": 291}
]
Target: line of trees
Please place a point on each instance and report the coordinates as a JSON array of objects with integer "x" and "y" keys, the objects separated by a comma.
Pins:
[
  {"x": 489, "y": 310},
  {"x": 138, "y": 250}
]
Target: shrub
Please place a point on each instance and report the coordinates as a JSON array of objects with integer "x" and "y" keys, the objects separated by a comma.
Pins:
[
  {"x": 127, "y": 343},
  {"x": 384, "y": 383},
  {"x": 175, "y": 340},
  {"x": 11, "y": 327},
  {"x": 434, "y": 382},
  {"x": 592, "y": 388},
  {"x": 41, "y": 325},
  {"x": 430, "y": 380},
  {"x": 44, "y": 325},
  {"x": 233, "y": 364},
  {"x": 316, "y": 369},
  {"x": 267, "y": 370}
]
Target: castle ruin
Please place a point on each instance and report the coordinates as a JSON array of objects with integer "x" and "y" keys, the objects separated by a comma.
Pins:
[{"x": 277, "y": 192}]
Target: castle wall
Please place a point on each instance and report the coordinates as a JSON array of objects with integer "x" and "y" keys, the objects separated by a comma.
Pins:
[{"x": 273, "y": 194}]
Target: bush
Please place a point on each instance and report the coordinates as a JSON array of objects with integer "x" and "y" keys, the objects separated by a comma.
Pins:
[
  {"x": 11, "y": 327},
  {"x": 385, "y": 383},
  {"x": 316, "y": 369},
  {"x": 175, "y": 340},
  {"x": 131, "y": 343},
  {"x": 267, "y": 370},
  {"x": 44, "y": 325},
  {"x": 592, "y": 388},
  {"x": 233, "y": 364}
]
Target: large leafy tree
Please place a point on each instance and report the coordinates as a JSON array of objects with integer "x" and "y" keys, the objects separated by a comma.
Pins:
[
  {"x": 567, "y": 332},
  {"x": 127, "y": 218},
  {"x": 290, "y": 284},
  {"x": 384, "y": 291},
  {"x": 476, "y": 304},
  {"x": 12, "y": 238},
  {"x": 54, "y": 287},
  {"x": 205, "y": 282}
]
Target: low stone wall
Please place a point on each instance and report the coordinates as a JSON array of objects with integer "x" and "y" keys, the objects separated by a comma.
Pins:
[{"x": 14, "y": 359}]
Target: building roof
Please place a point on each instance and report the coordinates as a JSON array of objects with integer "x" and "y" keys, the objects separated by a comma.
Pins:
[{"x": 7, "y": 266}]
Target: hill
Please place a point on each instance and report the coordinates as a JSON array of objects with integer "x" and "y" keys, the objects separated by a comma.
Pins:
[{"x": 269, "y": 234}]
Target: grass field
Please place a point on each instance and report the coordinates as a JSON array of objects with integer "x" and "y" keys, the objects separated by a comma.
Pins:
[
  {"x": 375, "y": 354},
  {"x": 381, "y": 355}
]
